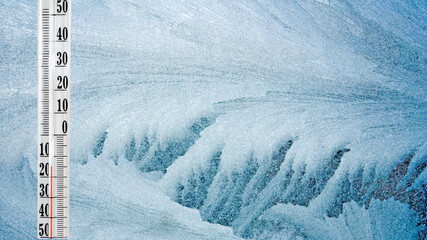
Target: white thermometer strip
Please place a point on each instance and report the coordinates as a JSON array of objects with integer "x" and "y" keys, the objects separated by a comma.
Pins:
[{"x": 53, "y": 206}]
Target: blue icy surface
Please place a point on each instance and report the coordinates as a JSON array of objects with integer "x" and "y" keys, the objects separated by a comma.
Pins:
[{"x": 212, "y": 119}]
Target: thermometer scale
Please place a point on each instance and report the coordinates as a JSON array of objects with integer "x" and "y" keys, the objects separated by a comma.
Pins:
[{"x": 53, "y": 205}]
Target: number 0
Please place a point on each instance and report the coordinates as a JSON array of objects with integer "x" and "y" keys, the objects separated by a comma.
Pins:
[{"x": 64, "y": 127}]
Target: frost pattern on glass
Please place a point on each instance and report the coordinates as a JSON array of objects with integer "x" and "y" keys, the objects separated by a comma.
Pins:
[{"x": 292, "y": 119}]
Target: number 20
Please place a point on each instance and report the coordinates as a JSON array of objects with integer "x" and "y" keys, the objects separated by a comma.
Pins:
[{"x": 62, "y": 82}]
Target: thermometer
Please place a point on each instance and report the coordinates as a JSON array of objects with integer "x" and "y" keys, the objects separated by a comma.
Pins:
[{"x": 53, "y": 205}]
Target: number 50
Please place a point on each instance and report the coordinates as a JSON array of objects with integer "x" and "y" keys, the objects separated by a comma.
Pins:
[{"x": 61, "y": 6}]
